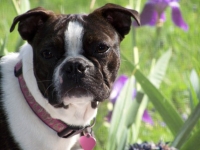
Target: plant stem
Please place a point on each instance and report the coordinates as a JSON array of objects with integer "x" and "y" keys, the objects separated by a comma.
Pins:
[
  {"x": 137, "y": 7},
  {"x": 16, "y": 6},
  {"x": 92, "y": 4},
  {"x": 159, "y": 40}
]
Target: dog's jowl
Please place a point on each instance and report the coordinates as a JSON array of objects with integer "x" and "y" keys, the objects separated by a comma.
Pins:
[{"x": 50, "y": 90}]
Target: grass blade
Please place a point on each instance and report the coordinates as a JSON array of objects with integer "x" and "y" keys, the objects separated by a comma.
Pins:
[
  {"x": 119, "y": 115},
  {"x": 3, "y": 50},
  {"x": 136, "y": 110},
  {"x": 158, "y": 72},
  {"x": 193, "y": 143},
  {"x": 187, "y": 128},
  {"x": 194, "y": 79}
]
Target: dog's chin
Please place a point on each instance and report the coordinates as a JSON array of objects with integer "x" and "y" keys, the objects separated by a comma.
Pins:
[
  {"x": 78, "y": 92},
  {"x": 77, "y": 96}
]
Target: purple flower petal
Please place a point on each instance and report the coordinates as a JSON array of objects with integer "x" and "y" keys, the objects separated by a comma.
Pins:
[
  {"x": 161, "y": 6},
  {"x": 147, "y": 118},
  {"x": 134, "y": 94},
  {"x": 149, "y": 15},
  {"x": 162, "y": 1},
  {"x": 117, "y": 87},
  {"x": 162, "y": 17},
  {"x": 109, "y": 116},
  {"x": 177, "y": 18}
]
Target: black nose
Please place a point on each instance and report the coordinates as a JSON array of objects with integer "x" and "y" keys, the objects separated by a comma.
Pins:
[{"x": 75, "y": 68}]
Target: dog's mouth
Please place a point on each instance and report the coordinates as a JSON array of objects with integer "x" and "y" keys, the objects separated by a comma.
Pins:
[
  {"x": 77, "y": 92},
  {"x": 76, "y": 96}
]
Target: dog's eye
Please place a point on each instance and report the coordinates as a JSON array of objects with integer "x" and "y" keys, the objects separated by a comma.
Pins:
[
  {"x": 101, "y": 48},
  {"x": 47, "y": 54}
]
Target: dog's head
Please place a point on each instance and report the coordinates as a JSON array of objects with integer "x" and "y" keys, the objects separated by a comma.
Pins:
[{"x": 75, "y": 56}]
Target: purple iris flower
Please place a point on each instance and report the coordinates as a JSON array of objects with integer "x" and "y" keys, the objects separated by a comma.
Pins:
[
  {"x": 153, "y": 13},
  {"x": 117, "y": 87}
]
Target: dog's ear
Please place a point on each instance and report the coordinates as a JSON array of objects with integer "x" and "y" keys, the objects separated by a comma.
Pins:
[
  {"x": 119, "y": 17},
  {"x": 30, "y": 22}
]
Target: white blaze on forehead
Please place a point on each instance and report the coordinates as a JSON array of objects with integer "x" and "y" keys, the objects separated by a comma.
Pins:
[
  {"x": 73, "y": 47},
  {"x": 73, "y": 38}
]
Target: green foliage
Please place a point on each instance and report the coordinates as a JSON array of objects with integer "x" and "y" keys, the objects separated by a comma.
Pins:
[
  {"x": 186, "y": 130},
  {"x": 193, "y": 142},
  {"x": 122, "y": 109},
  {"x": 178, "y": 94},
  {"x": 128, "y": 113},
  {"x": 167, "y": 111}
]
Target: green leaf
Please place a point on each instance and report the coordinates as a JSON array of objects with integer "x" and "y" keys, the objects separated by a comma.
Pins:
[
  {"x": 158, "y": 72},
  {"x": 3, "y": 50},
  {"x": 194, "y": 89},
  {"x": 194, "y": 79},
  {"x": 25, "y": 6},
  {"x": 133, "y": 110},
  {"x": 22, "y": 7},
  {"x": 123, "y": 138},
  {"x": 162, "y": 105},
  {"x": 136, "y": 110},
  {"x": 193, "y": 143},
  {"x": 187, "y": 128},
  {"x": 119, "y": 114}
]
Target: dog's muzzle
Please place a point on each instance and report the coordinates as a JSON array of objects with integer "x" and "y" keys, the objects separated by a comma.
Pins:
[{"x": 72, "y": 78}]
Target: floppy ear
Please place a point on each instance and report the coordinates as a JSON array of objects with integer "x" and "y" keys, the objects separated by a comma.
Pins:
[
  {"x": 119, "y": 17},
  {"x": 30, "y": 22}
]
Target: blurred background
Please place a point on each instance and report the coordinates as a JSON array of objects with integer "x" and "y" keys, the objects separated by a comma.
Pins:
[{"x": 143, "y": 46}]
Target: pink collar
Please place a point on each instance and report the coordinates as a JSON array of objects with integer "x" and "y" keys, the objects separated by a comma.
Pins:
[{"x": 63, "y": 130}]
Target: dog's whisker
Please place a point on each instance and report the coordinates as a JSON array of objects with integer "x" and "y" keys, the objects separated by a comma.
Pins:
[
  {"x": 66, "y": 93},
  {"x": 54, "y": 90},
  {"x": 48, "y": 88}
]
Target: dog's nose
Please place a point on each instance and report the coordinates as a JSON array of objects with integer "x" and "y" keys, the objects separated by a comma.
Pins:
[{"x": 74, "y": 68}]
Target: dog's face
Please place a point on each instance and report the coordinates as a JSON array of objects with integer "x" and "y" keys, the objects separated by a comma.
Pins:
[{"x": 75, "y": 56}]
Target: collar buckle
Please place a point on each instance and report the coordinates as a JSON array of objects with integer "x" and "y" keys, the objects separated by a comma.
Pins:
[{"x": 70, "y": 131}]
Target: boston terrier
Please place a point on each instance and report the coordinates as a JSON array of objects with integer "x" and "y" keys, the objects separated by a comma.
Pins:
[{"x": 50, "y": 90}]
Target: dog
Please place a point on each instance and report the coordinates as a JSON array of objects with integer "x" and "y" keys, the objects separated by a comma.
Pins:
[{"x": 50, "y": 90}]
